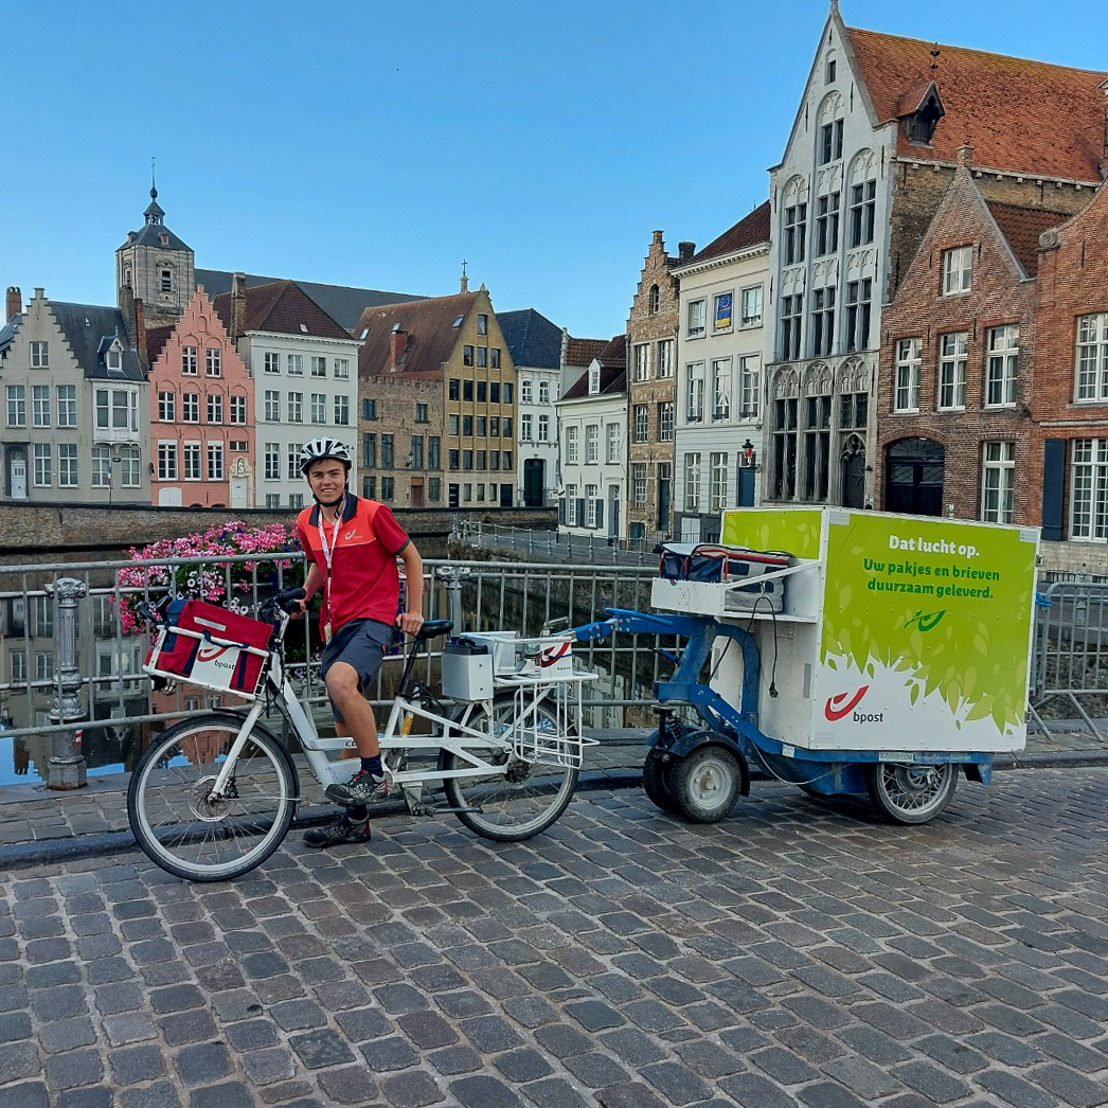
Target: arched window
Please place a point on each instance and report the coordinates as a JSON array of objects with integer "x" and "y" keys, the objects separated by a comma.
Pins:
[{"x": 655, "y": 299}]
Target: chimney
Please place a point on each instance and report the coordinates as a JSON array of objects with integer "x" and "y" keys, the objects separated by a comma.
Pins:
[
  {"x": 965, "y": 155},
  {"x": 238, "y": 306},
  {"x": 15, "y": 301},
  {"x": 140, "y": 334},
  {"x": 398, "y": 343},
  {"x": 685, "y": 250}
]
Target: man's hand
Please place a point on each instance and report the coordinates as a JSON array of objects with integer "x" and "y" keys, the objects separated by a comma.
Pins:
[{"x": 409, "y": 622}]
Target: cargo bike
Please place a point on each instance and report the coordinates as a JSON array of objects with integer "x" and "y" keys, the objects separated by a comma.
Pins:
[
  {"x": 846, "y": 652},
  {"x": 214, "y": 795}
]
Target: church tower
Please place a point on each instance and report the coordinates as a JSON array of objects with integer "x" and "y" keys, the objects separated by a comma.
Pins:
[{"x": 155, "y": 267}]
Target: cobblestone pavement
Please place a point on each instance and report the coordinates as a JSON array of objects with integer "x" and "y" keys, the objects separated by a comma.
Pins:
[{"x": 798, "y": 953}]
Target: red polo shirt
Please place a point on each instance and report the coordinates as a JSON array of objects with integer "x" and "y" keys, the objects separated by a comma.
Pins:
[{"x": 364, "y": 580}]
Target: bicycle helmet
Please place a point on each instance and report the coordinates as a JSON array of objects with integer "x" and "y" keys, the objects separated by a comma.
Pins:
[{"x": 325, "y": 447}]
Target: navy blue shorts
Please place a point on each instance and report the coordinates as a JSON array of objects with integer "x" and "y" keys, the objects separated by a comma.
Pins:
[{"x": 361, "y": 643}]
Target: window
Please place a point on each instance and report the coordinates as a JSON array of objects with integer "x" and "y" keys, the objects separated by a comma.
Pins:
[
  {"x": 295, "y": 365},
  {"x": 823, "y": 321},
  {"x": 467, "y": 426},
  {"x": 481, "y": 459},
  {"x": 694, "y": 392},
  {"x": 998, "y": 465},
  {"x": 667, "y": 420},
  {"x": 272, "y": 500},
  {"x": 18, "y": 666},
  {"x": 863, "y": 205},
  {"x": 692, "y": 482},
  {"x": 292, "y": 463},
  {"x": 388, "y": 488},
  {"x": 453, "y": 391},
  {"x": 434, "y": 453},
  {"x": 369, "y": 408},
  {"x": 67, "y": 465},
  {"x": 40, "y": 405},
  {"x": 640, "y": 426},
  {"x": 467, "y": 390},
  {"x": 421, "y": 414},
  {"x": 829, "y": 72},
  {"x": 319, "y": 366},
  {"x": 467, "y": 355},
  {"x": 641, "y": 359},
  {"x": 952, "y": 370},
  {"x": 482, "y": 392},
  {"x": 67, "y": 405},
  {"x": 215, "y": 461},
  {"x": 751, "y": 305},
  {"x": 1000, "y": 373},
  {"x": 213, "y": 365},
  {"x": 167, "y": 280},
  {"x": 190, "y": 461},
  {"x": 189, "y": 360},
  {"x": 190, "y": 407},
  {"x": 17, "y": 405},
  {"x": 238, "y": 409},
  {"x": 590, "y": 505},
  {"x": 167, "y": 407},
  {"x": 723, "y": 312},
  {"x": 796, "y": 228},
  {"x": 167, "y": 461},
  {"x": 785, "y": 432},
  {"x": 482, "y": 357},
  {"x": 571, "y": 445},
  {"x": 665, "y": 358},
  {"x": 434, "y": 489},
  {"x": 467, "y": 459},
  {"x": 494, "y": 388},
  {"x": 525, "y": 389},
  {"x": 239, "y": 446},
  {"x": 494, "y": 357},
  {"x": 342, "y": 411},
  {"x": 858, "y": 297},
  {"x": 721, "y": 389},
  {"x": 40, "y": 355},
  {"x": 717, "y": 488},
  {"x": 611, "y": 449},
  {"x": 594, "y": 379},
  {"x": 655, "y": 300},
  {"x": 129, "y": 466},
  {"x": 791, "y": 308},
  {"x": 296, "y": 500},
  {"x": 544, "y": 428},
  {"x": 638, "y": 484},
  {"x": 957, "y": 264},
  {"x": 386, "y": 452},
  {"x": 215, "y": 408},
  {"x": 294, "y": 404},
  {"x": 1092, "y": 357},
  {"x": 452, "y": 424},
  {"x": 831, "y": 142},
  {"x": 272, "y": 465},
  {"x": 416, "y": 459},
  {"x": 592, "y": 443},
  {"x": 906, "y": 398},
  {"x": 817, "y": 446},
  {"x": 101, "y": 467},
  {"x": 853, "y": 411},
  {"x": 544, "y": 392},
  {"x": 342, "y": 369},
  {"x": 1089, "y": 482},
  {"x": 750, "y": 386},
  {"x": 43, "y": 464},
  {"x": 525, "y": 427},
  {"x": 696, "y": 313},
  {"x": 116, "y": 410},
  {"x": 827, "y": 224},
  {"x": 369, "y": 451},
  {"x": 272, "y": 405},
  {"x": 272, "y": 362},
  {"x": 482, "y": 324}
]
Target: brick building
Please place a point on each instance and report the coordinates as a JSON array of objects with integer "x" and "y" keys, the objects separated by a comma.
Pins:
[
  {"x": 958, "y": 343},
  {"x": 652, "y": 392}
]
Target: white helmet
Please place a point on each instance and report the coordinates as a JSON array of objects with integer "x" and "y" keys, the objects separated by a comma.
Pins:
[{"x": 325, "y": 447}]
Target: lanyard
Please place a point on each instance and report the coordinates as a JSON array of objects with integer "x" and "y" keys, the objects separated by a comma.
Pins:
[{"x": 329, "y": 551}]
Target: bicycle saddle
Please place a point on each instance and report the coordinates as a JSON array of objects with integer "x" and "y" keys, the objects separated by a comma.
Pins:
[{"x": 432, "y": 628}]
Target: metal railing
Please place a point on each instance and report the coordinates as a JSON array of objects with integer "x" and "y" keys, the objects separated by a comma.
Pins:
[{"x": 594, "y": 548}]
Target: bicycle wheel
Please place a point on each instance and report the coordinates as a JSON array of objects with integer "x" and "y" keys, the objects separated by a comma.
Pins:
[
  {"x": 520, "y": 799},
  {"x": 187, "y": 833}
]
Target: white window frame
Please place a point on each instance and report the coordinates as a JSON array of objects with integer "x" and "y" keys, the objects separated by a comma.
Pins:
[
  {"x": 667, "y": 420},
  {"x": 190, "y": 407},
  {"x": 696, "y": 314},
  {"x": 694, "y": 392},
  {"x": 953, "y": 355},
  {"x": 1002, "y": 367},
  {"x": 40, "y": 405},
  {"x": 750, "y": 386},
  {"x": 190, "y": 360},
  {"x": 750, "y": 307},
  {"x": 908, "y": 357},
  {"x": 998, "y": 470},
  {"x": 641, "y": 361},
  {"x": 957, "y": 268},
  {"x": 717, "y": 481},
  {"x": 638, "y": 484},
  {"x": 692, "y": 482},
  {"x": 721, "y": 390},
  {"x": 167, "y": 407},
  {"x": 191, "y": 462},
  {"x": 592, "y": 443},
  {"x": 641, "y": 424},
  {"x": 167, "y": 461},
  {"x": 612, "y": 444},
  {"x": 543, "y": 434},
  {"x": 67, "y": 465},
  {"x": 572, "y": 445},
  {"x": 1089, "y": 489},
  {"x": 216, "y": 463},
  {"x": 272, "y": 399},
  {"x": 1091, "y": 367},
  {"x": 67, "y": 405},
  {"x": 665, "y": 358},
  {"x": 272, "y": 362},
  {"x": 42, "y": 470}
]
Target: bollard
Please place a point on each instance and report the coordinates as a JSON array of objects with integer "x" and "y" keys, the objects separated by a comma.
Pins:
[
  {"x": 66, "y": 768},
  {"x": 452, "y": 577}
]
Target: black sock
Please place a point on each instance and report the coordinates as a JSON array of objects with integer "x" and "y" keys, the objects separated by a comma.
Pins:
[
  {"x": 358, "y": 814},
  {"x": 373, "y": 765}
]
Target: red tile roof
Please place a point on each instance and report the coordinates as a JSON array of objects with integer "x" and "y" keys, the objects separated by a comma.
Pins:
[
  {"x": 1019, "y": 116},
  {"x": 1022, "y": 227},
  {"x": 751, "y": 230},
  {"x": 430, "y": 328},
  {"x": 282, "y": 307},
  {"x": 582, "y": 351},
  {"x": 156, "y": 338},
  {"x": 613, "y": 371}
]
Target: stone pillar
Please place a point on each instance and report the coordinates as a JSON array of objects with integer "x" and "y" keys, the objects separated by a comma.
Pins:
[{"x": 66, "y": 768}]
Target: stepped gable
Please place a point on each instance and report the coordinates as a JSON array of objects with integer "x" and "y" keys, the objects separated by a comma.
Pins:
[
  {"x": 751, "y": 230},
  {"x": 431, "y": 330},
  {"x": 1019, "y": 116},
  {"x": 284, "y": 308}
]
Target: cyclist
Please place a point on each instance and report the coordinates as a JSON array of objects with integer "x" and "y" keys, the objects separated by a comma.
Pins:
[{"x": 352, "y": 546}]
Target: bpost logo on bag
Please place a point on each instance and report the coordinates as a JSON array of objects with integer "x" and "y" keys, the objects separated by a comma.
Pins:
[
  {"x": 213, "y": 655},
  {"x": 843, "y": 703},
  {"x": 551, "y": 655}
]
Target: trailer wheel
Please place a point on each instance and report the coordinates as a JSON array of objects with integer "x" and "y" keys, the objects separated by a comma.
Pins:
[
  {"x": 706, "y": 783},
  {"x": 911, "y": 794},
  {"x": 655, "y": 780}
]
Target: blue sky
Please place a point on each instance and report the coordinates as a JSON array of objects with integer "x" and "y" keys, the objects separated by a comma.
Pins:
[{"x": 378, "y": 143}]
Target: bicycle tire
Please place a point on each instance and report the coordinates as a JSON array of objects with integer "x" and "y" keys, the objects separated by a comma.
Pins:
[
  {"x": 176, "y": 825},
  {"x": 518, "y": 803}
]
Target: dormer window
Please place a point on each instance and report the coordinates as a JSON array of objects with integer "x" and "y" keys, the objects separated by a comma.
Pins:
[
  {"x": 114, "y": 357},
  {"x": 163, "y": 239},
  {"x": 921, "y": 124},
  {"x": 594, "y": 379}
]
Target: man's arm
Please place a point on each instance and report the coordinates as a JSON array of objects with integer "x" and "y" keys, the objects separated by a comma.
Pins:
[{"x": 411, "y": 619}]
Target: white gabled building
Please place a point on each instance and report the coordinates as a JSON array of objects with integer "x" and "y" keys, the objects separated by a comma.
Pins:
[
  {"x": 592, "y": 422},
  {"x": 720, "y": 387}
]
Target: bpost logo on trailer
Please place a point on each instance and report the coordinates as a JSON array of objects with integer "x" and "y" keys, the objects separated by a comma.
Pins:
[{"x": 844, "y": 703}]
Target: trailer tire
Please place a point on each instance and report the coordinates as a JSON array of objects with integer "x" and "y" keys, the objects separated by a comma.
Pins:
[
  {"x": 911, "y": 794},
  {"x": 706, "y": 783},
  {"x": 656, "y": 770}
]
